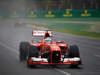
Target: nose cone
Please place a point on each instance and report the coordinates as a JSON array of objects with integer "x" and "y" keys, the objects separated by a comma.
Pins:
[{"x": 55, "y": 47}]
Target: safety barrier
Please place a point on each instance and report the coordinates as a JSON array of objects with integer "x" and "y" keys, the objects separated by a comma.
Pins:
[{"x": 52, "y": 13}]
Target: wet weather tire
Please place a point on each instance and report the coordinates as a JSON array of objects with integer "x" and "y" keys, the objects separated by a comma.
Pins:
[
  {"x": 23, "y": 50},
  {"x": 33, "y": 51},
  {"x": 74, "y": 52}
]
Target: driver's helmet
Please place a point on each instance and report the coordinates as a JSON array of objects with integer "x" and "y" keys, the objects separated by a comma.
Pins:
[
  {"x": 46, "y": 35},
  {"x": 48, "y": 40}
]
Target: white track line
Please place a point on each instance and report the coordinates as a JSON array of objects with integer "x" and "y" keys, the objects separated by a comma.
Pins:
[
  {"x": 97, "y": 56},
  {"x": 63, "y": 72},
  {"x": 98, "y": 48},
  {"x": 10, "y": 48}
]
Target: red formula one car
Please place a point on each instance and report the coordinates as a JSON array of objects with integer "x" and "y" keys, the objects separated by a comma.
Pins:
[{"x": 47, "y": 51}]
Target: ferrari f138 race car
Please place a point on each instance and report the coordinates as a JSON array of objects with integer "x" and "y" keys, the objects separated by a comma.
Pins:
[{"x": 48, "y": 51}]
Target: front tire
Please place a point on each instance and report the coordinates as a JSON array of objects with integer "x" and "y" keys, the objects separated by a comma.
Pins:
[
  {"x": 32, "y": 52},
  {"x": 23, "y": 49},
  {"x": 74, "y": 52}
]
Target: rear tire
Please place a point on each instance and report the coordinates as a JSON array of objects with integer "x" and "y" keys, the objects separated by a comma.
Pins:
[{"x": 23, "y": 49}]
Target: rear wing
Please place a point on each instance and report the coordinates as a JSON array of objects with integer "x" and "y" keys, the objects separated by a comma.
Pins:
[{"x": 40, "y": 33}]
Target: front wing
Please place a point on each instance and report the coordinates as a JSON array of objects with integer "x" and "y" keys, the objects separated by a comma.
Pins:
[{"x": 34, "y": 60}]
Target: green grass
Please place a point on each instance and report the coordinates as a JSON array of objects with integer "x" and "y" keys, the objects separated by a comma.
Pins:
[
  {"x": 78, "y": 29},
  {"x": 68, "y": 19},
  {"x": 69, "y": 26},
  {"x": 82, "y": 33},
  {"x": 78, "y": 26}
]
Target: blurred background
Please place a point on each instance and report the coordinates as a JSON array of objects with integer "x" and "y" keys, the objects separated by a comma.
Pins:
[
  {"x": 20, "y": 7},
  {"x": 13, "y": 5},
  {"x": 81, "y": 15}
]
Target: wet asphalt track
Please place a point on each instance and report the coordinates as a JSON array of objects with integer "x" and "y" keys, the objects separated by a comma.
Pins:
[{"x": 10, "y": 37}]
